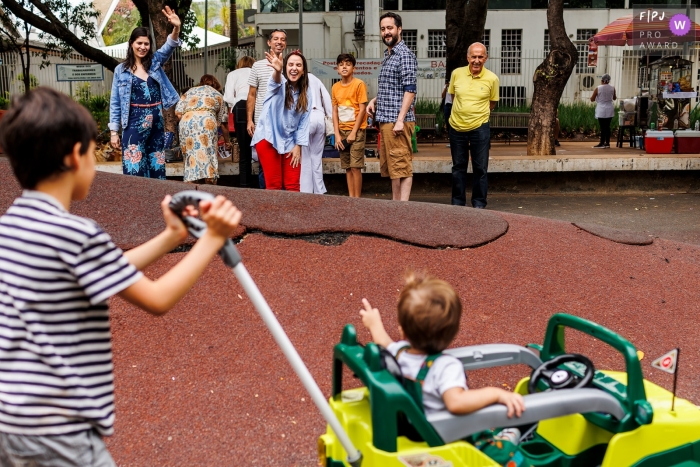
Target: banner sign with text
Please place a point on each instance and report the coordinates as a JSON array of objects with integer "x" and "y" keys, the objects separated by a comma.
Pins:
[
  {"x": 368, "y": 68},
  {"x": 92, "y": 72},
  {"x": 662, "y": 27}
]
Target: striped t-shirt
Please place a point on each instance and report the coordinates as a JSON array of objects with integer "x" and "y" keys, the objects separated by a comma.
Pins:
[
  {"x": 56, "y": 272},
  {"x": 259, "y": 76}
]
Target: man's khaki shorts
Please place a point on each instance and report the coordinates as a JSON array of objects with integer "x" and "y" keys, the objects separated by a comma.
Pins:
[
  {"x": 354, "y": 156},
  {"x": 396, "y": 152}
]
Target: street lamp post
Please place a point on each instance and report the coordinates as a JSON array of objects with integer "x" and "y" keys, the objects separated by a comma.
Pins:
[{"x": 206, "y": 21}]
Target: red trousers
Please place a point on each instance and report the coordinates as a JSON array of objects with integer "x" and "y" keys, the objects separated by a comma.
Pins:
[{"x": 277, "y": 168}]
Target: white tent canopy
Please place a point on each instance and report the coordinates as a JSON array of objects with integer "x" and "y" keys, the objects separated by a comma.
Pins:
[{"x": 212, "y": 39}]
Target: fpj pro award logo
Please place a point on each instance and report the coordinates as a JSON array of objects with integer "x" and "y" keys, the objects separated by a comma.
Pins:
[{"x": 662, "y": 27}]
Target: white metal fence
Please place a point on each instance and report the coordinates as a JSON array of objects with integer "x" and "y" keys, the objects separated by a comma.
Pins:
[{"x": 515, "y": 69}]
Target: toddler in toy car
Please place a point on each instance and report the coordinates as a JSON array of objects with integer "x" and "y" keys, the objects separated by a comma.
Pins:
[{"x": 429, "y": 313}]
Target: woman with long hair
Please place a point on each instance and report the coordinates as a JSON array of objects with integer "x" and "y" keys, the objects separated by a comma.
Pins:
[
  {"x": 202, "y": 112},
  {"x": 284, "y": 122},
  {"x": 140, "y": 92},
  {"x": 236, "y": 96}
]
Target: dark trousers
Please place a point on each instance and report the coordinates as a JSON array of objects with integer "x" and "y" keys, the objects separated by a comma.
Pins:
[
  {"x": 447, "y": 111},
  {"x": 462, "y": 144},
  {"x": 605, "y": 130},
  {"x": 240, "y": 120}
]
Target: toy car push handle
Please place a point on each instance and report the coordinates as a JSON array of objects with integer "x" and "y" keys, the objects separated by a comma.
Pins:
[
  {"x": 229, "y": 253},
  {"x": 354, "y": 456}
]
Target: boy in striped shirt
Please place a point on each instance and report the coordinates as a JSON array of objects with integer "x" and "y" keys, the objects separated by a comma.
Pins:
[{"x": 57, "y": 271}]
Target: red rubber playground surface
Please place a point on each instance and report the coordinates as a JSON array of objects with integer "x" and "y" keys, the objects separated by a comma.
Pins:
[{"x": 206, "y": 384}]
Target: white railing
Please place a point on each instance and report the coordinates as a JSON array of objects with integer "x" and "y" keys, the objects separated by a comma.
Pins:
[{"x": 515, "y": 70}]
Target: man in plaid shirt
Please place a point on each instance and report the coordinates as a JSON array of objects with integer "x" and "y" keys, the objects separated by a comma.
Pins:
[{"x": 394, "y": 108}]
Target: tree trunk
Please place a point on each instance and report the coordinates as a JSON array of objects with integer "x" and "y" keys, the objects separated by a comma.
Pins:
[
  {"x": 550, "y": 80},
  {"x": 464, "y": 24},
  {"x": 25, "y": 65},
  {"x": 233, "y": 23}
]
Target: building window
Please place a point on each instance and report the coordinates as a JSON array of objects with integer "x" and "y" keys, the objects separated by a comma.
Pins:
[
  {"x": 410, "y": 37},
  {"x": 282, "y": 6},
  {"x": 511, "y": 46},
  {"x": 423, "y": 5},
  {"x": 343, "y": 5},
  {"x": 547, "y": 44},
  {"x": 511, "y": 96},
  {"x": 390, "y": 4},
  {"x": 582, "y": 36},
  {"x": 486, "y": 39},
  {"x": 436, "y": 43}
]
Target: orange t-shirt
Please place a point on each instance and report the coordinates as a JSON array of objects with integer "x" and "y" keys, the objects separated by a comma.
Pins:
[{"x": 348, "y": 99}]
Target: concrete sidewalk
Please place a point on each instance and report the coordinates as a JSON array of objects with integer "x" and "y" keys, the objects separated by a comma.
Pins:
[{"x": 504, "y": 158}]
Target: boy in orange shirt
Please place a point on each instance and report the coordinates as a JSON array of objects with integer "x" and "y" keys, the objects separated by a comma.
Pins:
[{"x": 349, "y": 97}]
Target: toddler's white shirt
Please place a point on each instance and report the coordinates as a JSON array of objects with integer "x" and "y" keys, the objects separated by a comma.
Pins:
[{"x": 446, "y": 373}]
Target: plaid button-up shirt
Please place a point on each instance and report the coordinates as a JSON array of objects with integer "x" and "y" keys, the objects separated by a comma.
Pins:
[{"x": 398, "y": 74}]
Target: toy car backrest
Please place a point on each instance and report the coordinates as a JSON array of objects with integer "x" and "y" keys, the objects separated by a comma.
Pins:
[{"x": 390, "y": 402}]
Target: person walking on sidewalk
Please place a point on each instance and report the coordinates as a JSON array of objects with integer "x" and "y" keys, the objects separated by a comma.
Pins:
[
  {"x": 474, "y": 91},
  {"x": 604, "y": 97},
  {"x": 394, "y": 108}
]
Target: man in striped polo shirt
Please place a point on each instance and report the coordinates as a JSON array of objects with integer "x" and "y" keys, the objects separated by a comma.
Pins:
[
  {"x": 57, "y": 271},
  {"x": 259, "y": 76}
]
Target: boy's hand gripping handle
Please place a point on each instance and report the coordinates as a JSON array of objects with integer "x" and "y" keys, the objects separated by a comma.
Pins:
[{"x": 229, "y": 253}]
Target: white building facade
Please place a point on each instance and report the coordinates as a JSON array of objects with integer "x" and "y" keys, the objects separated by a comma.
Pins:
[{"x": 515, "y": 33}]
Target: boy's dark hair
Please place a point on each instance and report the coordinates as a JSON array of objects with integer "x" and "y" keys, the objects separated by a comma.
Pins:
[
  {"x": 429, "y": 313},
  {"x": 40, "y": 130},
  {"x": 346, "y": 58},
  {"x": 395, "y": 16}
]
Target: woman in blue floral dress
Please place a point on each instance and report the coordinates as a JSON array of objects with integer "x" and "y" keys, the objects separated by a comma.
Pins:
[
  {"x": 203, "y": 112},
  {"x": 140, "y": 92}
]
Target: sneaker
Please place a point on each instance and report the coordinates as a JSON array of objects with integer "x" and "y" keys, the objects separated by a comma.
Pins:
[
  {"x": 447, "y": 145},
  {"x": 607, "y": 146},
  {"x": 600, "y": 146},
  {"x": 556, "y": 142}
]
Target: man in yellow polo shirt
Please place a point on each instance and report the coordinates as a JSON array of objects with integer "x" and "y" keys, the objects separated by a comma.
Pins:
[{"x": 475, "y": 94}]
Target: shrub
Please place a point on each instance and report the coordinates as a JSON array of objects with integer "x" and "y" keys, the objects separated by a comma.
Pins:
[
  {"x": 430, "y": 107},
  {"x": 98, "y": 106}
]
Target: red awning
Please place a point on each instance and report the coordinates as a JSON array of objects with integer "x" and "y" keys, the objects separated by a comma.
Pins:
[{"x": 630, "y": 30}]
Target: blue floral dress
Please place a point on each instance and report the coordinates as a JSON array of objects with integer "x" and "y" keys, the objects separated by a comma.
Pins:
[
  {"x": 202, "y": 110},
  {"x": 144, "y": 137}
]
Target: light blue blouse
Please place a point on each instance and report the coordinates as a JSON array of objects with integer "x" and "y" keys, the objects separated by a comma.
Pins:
[{"x": 281, "y": 127}]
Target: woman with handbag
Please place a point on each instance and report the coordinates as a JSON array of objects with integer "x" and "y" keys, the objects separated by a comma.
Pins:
[
  {"x": 140, "y": 92},
  {"x": 320, "y": 125},
  {"x": 202, "y": 112},
  {"x": 235, "y": 95}
]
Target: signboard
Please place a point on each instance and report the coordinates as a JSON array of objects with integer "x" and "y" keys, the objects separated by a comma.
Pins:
[
  {"x": 368, "y": 68},
  {"x": 91, "y": 72},
  {"x": 665, "y": 27}
]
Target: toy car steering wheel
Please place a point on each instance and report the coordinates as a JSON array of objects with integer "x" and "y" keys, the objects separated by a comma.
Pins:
[{"x": 558, "y": 378}]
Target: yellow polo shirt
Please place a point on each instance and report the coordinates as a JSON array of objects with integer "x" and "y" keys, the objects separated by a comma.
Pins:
[{"x": 473, "y": 94}]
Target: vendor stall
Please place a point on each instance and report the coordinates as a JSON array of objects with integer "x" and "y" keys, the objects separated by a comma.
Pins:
[{"x": 670, "y": 91}]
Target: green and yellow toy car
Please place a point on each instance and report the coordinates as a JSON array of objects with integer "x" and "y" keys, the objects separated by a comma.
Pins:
[{"x": 575, "y": 415}]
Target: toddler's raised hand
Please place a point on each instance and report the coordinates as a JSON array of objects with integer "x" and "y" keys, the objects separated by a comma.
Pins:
[
  {"x": 221, "y": 216},
  {"x": 370, "y": 316}
]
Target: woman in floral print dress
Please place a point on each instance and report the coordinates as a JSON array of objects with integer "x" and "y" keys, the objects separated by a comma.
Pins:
[{"x": 202, "y": 111}]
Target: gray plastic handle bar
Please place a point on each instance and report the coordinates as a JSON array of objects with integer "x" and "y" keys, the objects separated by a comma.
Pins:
[{"x": 229, "y": 253}]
